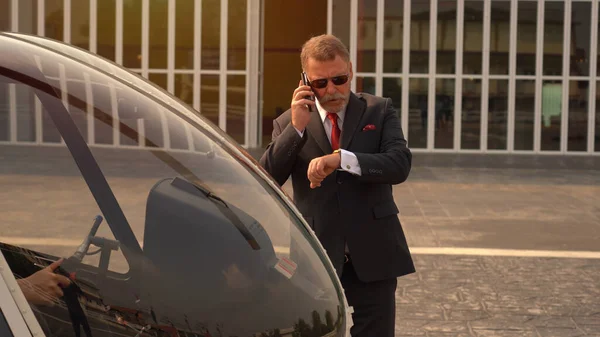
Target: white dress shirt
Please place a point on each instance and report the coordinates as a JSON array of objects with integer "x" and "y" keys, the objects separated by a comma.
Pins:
[{"x": 349, "y": 162}]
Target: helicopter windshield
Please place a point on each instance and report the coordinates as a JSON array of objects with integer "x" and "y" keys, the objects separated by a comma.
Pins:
[{"x": 166, "y": 227}]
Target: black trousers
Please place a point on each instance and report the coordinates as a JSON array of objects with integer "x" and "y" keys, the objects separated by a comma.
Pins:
[{"x": 374, "y": 304}]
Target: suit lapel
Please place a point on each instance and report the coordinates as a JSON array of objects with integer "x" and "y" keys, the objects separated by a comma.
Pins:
[
  {"x": 316, "y": 129},
  {"x": 354, "y": 112}
]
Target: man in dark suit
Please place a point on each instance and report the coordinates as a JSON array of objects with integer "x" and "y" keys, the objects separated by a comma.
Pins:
[{"x": 343, "y": 158}]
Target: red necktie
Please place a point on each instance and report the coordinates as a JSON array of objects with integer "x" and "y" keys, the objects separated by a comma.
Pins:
[{"x": 335, "y": 131}]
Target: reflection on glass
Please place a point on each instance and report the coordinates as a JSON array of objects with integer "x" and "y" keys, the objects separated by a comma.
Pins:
[
  {"x": 499, "y": 37},
  {"x": 553, "y": 37},
  {"x": 393, "y": 36},
  {"x": 236, "y": 35},
  {"x": 419, "y": 37},
  {"x": 341, "y": 21},
  {"x": 154, "y": 126},
  {"x": 73, "y": 85},
  {"x": 49, "y": 132},
  {"x": 209, "y": 97},
  {"x": 74, "y": 202},
  {"x": 132, "y": 123},
  {"x": 159, "y": 29},
  {"x": 215, "y": 261},
  {"x": 367, "y": 36},
  {"x": 76, "y": 222},
  {"x": 106, "y": 29},
  {"x": 27, "y": 16},
  {"x": 102, "y": 124},
  {"x": 417, "y": 112},
  {"x": 26, "y": 119},
  {"x": 51, "y": 135},
  {"x": 597, "y": 119},
  {"x": 444, "y": 114},
  {"x": 236, "y": 107},
  {"x": 184, "y": 34},
  {"x": 365, "y": 84},
  {"x": 54, "y": 19},
  {"x": 211, "y": 34},
  {"x": 473, "y": 37},
  {"x": 471, "y": 115},
  {"x": 551, "y": 115},
  {"x": 184, "y": 87},
  {"x": 580, "y": 38},
  {"x": 526, "y": 37},
  {"x": 132, "y": 34},
  {"x": 578, "y": 115},
  {"x": 498, "y": 115},
  {"x": 446, "y": 37}
]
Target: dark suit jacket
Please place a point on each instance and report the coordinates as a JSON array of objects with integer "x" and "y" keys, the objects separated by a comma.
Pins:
[{"x": 359, "y": 210}]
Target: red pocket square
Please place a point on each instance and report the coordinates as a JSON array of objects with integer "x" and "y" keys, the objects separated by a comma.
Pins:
[{"x": 369, "y": 127}]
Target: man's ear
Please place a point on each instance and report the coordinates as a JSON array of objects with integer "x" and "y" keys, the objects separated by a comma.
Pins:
[{"x": 350, "y": 70}]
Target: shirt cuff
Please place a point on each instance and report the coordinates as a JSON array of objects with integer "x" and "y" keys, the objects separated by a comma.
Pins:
[
  {"x": 301, "y": 133},
  {"x": 349, "y": 163}
]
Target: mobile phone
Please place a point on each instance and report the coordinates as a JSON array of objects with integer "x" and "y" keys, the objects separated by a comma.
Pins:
[{"x": 305, "y": 82}]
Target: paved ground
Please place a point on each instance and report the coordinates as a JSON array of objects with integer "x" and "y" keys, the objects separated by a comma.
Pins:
[
  {"x": 499, "y": 296},
  {"x": 473, "y": 223},
  {"x": 517, "y": 209},
  {"x": 538, "y": 205}
]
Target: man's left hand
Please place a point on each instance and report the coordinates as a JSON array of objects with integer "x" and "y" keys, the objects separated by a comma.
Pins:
[
  {"x": 44, "y": 287},
  {"x": 319, "y": 168}
]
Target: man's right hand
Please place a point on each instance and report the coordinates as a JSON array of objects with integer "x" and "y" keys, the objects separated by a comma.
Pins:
[{"x": 300, "y": 113}]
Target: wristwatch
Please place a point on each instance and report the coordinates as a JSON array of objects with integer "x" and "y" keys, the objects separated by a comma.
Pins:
[{"x": 339, "y": 151}]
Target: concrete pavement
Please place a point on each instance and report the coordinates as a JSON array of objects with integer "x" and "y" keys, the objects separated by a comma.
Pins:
[{"x": 523, "y": 208}]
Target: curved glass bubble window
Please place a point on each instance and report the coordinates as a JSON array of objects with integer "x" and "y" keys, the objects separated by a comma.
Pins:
[{"x": 166, "y": 226}]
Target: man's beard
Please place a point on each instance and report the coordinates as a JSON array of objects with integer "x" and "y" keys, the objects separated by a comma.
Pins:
[{"x": 327, "y": 98}]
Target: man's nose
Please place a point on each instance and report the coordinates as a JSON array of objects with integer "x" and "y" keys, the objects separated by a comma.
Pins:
[{"x": 331, "y": 88}]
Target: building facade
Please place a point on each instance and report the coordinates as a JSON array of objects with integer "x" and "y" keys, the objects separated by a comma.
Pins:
[{"x": 502, "y": 76}]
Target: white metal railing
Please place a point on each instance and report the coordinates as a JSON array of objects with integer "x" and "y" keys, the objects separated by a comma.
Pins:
[{"x": 513, "y": 119}]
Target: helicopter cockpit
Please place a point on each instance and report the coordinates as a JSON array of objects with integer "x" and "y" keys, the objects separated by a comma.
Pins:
[{"x": 166, "y": 226}]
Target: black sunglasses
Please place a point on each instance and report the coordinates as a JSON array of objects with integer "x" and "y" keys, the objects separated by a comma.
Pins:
[{"x": 322, "y": 82}]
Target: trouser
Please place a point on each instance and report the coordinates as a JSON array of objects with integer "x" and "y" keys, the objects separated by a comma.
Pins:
[{"x": 374, "y": 304}]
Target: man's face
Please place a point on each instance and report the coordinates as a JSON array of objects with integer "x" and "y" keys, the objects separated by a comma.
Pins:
[{"x": 332, "y": 97}]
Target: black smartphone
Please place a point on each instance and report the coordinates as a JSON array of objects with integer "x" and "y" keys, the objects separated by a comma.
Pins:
[{"x": 305, "y": 82}]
